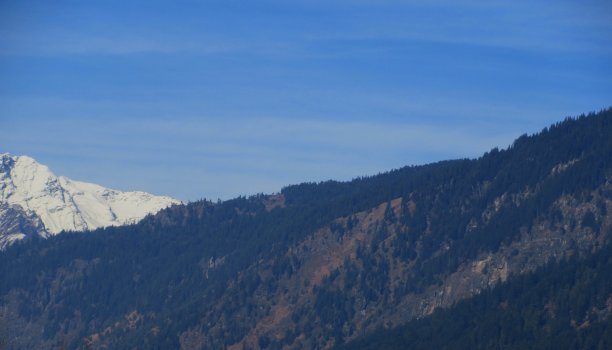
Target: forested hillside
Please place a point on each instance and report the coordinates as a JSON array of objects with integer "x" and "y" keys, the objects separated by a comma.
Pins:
[
  {"x": 563, "y": 305},
  {"x": 319, "y": 264}
]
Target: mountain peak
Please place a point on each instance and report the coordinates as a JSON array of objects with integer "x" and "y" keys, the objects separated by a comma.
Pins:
[{"x": 63, "y": 204}]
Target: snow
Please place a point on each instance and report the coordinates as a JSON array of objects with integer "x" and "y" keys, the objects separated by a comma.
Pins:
[
  {"x": 6, "y": 240},
  {"x": 67, "y": 205}
]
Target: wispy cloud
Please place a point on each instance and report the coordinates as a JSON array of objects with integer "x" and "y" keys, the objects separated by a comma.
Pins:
[
  {"x": 240, "y": 156},
  {"x": 118, "y": 44},
  {"x": 527, "y": 26},
  {"x": 533, "y": 26}
]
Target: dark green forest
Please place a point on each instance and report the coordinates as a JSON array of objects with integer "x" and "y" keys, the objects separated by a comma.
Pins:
[
  {"x": 562, "y": 305},
  {"x": 199, "y": 265}
]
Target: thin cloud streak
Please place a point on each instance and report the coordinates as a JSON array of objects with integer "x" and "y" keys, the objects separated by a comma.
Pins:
[
  {"x": 117, "y": 45},
  {"x": 264, "y": 153},
  {"x": 500, "y": 25}
]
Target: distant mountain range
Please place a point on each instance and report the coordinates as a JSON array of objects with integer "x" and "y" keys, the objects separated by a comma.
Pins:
[
  {"x": 35, "y": 202},
  {"x": 507, "y": 251}
]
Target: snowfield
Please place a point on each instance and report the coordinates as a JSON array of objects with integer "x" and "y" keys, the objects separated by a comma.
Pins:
[{"x": 63, "y": 204}]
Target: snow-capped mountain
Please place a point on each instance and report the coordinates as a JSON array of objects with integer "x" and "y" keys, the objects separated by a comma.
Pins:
[{"x": 33, "y": 200}]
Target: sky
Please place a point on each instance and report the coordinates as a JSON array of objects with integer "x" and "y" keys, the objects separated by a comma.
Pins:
[{"x": 215, "y": 99}]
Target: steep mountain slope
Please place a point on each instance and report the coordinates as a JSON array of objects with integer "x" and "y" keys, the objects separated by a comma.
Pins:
[
  {"x": 17, "y": 224},
  {"x": 562, "y": 305},
  {"x": 31, "y": 190},
  {"x": 318, "y": 264}
]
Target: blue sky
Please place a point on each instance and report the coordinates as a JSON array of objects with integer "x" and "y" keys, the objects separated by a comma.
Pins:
[{"x": 215, "y": 99}]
